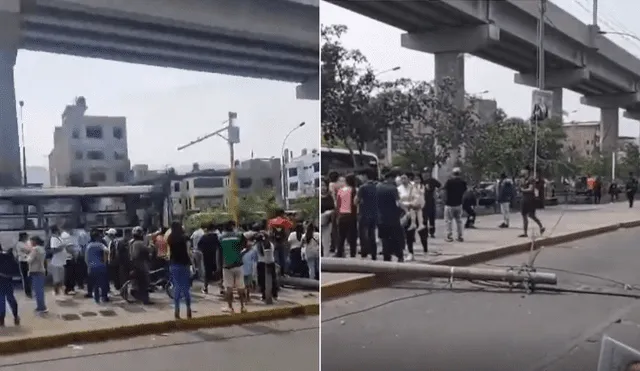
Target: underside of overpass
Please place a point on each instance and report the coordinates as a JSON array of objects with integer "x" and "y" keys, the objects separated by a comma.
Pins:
[
  {"x": 504, "y": 32},
  {"x": 275, "y": 40}
]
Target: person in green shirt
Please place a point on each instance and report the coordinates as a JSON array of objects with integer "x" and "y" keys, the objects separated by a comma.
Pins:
[{"x": 232, "y": 243}]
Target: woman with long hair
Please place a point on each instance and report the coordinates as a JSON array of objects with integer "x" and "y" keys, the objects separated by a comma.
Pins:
[
  {"x": 310, "y": 250},
  {"x": 179, "y": 267},
  {"x": 347, "y": 219}
]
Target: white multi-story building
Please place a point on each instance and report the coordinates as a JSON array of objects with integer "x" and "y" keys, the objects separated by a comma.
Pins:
[
  {"x": 89, "y": 149},
  {"x": 302, "y": 175}
]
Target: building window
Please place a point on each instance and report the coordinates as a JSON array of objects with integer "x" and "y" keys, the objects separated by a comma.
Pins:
[
  {"x": 588, "y": 153},
  {"x": 187, "y": 184},
  {"x": 316, "y": 167},
  {"x": 293, "y": 186},
  {"x": 587, "y": 142},
  {"x": 316, "y": 183},
  {"x": 118, "y": 156},
  {"x": 244, "y": 183},
  {"x": 117, "y": 133},
  {"x": 94, "y": 132},
  {"x": 121, "y": 177},
  {"x": 95, "y": 155},
  {"x": 293, "y": 172},
  {"x": 98, "y": 176},
  {"x": 75, "y": 133},
  {"x": 267, "y": 182},
  {"x": 79, "y": 155},
  {"x": 208, "y": 183},
  {"x": 176, "y": 187}
]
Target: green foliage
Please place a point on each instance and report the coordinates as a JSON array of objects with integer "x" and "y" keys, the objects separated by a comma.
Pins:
[
  {"x": 347, "y": 82},
  {"x": 251, "y": 208},
  {"x": 630, "y": 161},
  {"x": 508, "y": 146},
  {"x": 308, "y": 207},
  {"x": 427, "y": 124}
]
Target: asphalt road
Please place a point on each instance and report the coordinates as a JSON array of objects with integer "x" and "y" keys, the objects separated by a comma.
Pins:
[
  {"x": 427, "y": 326},
  {"x": 283, "y": 345}
]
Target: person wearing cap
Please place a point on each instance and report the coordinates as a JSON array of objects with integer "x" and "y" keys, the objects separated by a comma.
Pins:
[{"x": 454, "y": 190}]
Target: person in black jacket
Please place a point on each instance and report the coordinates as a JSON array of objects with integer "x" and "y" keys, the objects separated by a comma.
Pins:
[
  {"x": 9, "y": 268},
  {"x": 431, "y": 186},
  {"x": 454, "y": 189},
  {"x": 209, "y": 245},
  {"x": 469, "y": 202}
]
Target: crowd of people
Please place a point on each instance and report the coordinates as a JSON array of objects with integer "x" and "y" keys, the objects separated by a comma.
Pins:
[
  {"x": 97, "y": 261},
  {"x": 402, "y": 206}
]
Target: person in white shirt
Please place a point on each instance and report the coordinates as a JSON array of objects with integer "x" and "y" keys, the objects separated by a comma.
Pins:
[
  {"x": 310, "y": 250},
  {"x": 295, "y": 255},
  {"x": 58, "y": 259},
  {"x": 23, "y": 251},
  {"x": 409, "y": 203}
]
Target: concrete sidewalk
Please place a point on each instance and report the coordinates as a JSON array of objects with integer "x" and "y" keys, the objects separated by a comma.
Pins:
[
  {"x": 563, "y": 223},
  {"x": 74, "y": 320}
]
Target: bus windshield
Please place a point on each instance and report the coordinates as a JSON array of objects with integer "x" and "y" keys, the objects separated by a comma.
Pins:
[{"x": 341, "y": 161}]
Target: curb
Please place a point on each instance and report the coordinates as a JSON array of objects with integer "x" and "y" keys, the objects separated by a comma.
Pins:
[
  {"x": 346, "y": 287},
  {"x": 130, "y": 331}
]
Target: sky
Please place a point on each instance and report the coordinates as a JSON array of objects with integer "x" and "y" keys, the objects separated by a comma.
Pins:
[
  {"x": 381, "y": 44},
  {"x": 165, "y": 108}
]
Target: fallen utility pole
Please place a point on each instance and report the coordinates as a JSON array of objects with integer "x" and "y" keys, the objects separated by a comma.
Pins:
[
  {"x": 341, "y": 265},
  {"x": 303, "y": 283}
]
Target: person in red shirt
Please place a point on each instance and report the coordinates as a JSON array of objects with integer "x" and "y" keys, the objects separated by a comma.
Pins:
[{"x": 279, "y": 228}]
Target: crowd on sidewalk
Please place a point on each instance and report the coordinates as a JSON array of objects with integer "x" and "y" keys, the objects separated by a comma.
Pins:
[
  {"x": 400, "y": 210},
  {"x": 142, "y": 262}
]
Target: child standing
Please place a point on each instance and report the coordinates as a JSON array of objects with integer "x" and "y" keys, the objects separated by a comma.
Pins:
[{"x": 249, "y": 260}]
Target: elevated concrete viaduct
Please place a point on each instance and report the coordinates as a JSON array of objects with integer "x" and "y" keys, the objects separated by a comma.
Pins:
[
  {"x": 276, "y": 39},
  {"x": 504, "y": 32}
]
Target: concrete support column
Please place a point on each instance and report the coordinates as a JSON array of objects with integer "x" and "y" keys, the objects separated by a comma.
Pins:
[
  {"x": 10, "y": 172},
  {"x": 309, "y": 90},
  {"x": 609, "y": 120},
  {"x": 557, "y": 111},
  {"x": 451, "y": 65}
]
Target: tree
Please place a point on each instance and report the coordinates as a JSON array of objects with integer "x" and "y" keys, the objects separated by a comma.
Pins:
[
  {"x": 427, "y": 124},
  {"x": 630, "y": 160},
  {"x": 508, "y": 146},
  {"x": 347, "y": 82}
]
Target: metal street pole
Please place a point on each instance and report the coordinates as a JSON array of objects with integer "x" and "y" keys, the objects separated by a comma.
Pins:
[
  {"x": 283, "y": 169},
  {"x": 232, "y": 138},
  {"x": 24, "y": 147},
  {"x": 389, "y": 130},
  {"x": 595, "y": 13},
  {"x": 233, "y": 187},
  {"x": 339, "y": 265},
  {"x": 541, "y": 77},
  {"x": 389, "y": 146}
]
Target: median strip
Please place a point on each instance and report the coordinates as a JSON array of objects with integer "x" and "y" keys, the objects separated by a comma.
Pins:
[{"x": 366, "y": 282}]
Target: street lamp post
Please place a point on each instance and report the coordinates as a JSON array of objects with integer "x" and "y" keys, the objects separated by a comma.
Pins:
[
  {"x": 389, "y": 131},
  {"x": 283, "y": 178},
  {"x": 24, "y": 146}
]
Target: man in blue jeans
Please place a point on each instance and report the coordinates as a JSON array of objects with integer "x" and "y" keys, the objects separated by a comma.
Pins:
[{"x": 368, "y": 214}]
